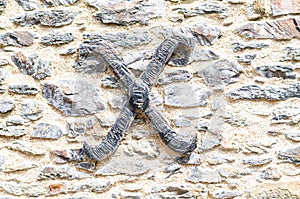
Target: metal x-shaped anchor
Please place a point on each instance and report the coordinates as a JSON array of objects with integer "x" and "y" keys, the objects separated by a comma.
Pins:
[{"x": 176, "y": 48}]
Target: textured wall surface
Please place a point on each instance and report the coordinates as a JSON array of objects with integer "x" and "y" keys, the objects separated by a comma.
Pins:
[{"x": 239, "y": 93}]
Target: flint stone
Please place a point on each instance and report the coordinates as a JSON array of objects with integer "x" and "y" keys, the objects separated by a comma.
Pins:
[
  {"x": 175, "y": 76},
  {"x": 246, "y": 59},
  {"x": 2, "y": 160},
  {"x": 202, "y": 33},
  {"x": 53, "y": 18},
  {"x": 73, "y": 98},
  {"x": 2, "y": 90},
  {"x": 126, "y": 39},
  {"x": 290, "y": 155},
  {"x": 286, "y": 115},
  {"x": 220, "y": 72},
  {"x": 238, "y": 46},
  {"x": 46, "y": 131},
  {"x": 281, "y": 7},
  {"x": 280, "y": 29},
  {"x": 60, "y": 172},
  {"x": 192, "y": 159},
  {"x": 218, "y": 159},
  {"x": 148, "y": 149},
  {"x": 202, "y": 126},
  {"x": 88, "y": 166},
  {"x": 18, "y": 166},
  {"x": 284, "y": 72},
  {"x": 57, "y": 38},
  {"x": 205, "y": 8},
  {"x": 185, "y": 95},
  {"x": 68, "y": 51},
  {"x": 270, "y": 173},
  {"x": 32, "y": 109},
  {"x": 292, "y": 54},
  {"x": 226, "y": 194},
  {"x": 182, "y": 122},
  {"x": 197, "y": 174},
  {"x": 209, "y": 142},
  {"x": 23, "y": 89},
  {"x": 12, "y": 131},
  {"x": 254, "y": 92},
  {"x": 95, "y": 186},
  {"x": 60, "y": 2},
  {"x": 295, "y": 136},
  {"x": 16, "y": 38},
  {"x": 259, "y": 161},
  {"x": 25, "y": 147},
  {"x": 141, "y": 12},
  {"x": 69, "y": 155},
  {"x": 202, "y": 55},
  {"x": 2, "y": 5},
  {"x": 22, "y": 189},
  {"x": 3, "y": 62},
  {"x": 14, "y": 121},
  {"x": 32, "y": 65},
  {"x": 6, "y": 106}
]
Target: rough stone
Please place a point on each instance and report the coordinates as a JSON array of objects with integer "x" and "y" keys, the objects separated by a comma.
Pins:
[
  {"x": 185, "y": 95},
  {"x": 2, "y": 6},
  {"x": 275, "y": 193},
  {"x": 32, "y": 65},
  {"x": 220, "y": 159},
  {"x": 55, "y": 38},
  {"x": 239, "y": 46},
  {"x": 202, "y": 33},
  {"x": 281, "y": 7},
  {"x": 95, "y": 185},
  {"x": 6, "y": 106},
  {"x": 255, "y": 92},
  {"x": 23, "y": 89},
  {"x": 18, "y": 166},
  {"x": 68, "y": 155},
  {"x": 295, "y": 136},
  {"x": 192, "y": 159},
  {"x": 25, "y": 147},
  {"x": 175, "y": 76},
  {"x": 60, "y": 172},
  {"x": 182, "y": 122},
  {"x": 284, "y": 72},
  {"x": 226, "y": 194},
  {"x": 2, "y": 160},
  {"x": 46, "y": 131},
  {"x": 204, "y": 8},
  {"x": 235, "y": 120},
  {"x": 220, "y": 72},
  {"x": 79, "y": 126},
  {"x": 3, "y": 74},
  {"x": 16, "y": 38},
  {"x": 292, "y": 54},
  {"x": 2, "y": 90},
  {"x": 197, "y": 174},
  {"x": 126, "y": 39},
  {"x": 3, "y": 62},
  {"x": 246, "y": 59},
  {"x": 12, "y": 131},
  {"x": 109, "y": 82},
  {"x": 22, "y": 189},
  {"x": 208, "y": 142},
  {"x": 201, "y": 55},
  {"x": 32, "y": 109},
  {"x": 255, "y": 9},
  {"x": 117, "y": 101},
  {"x": 14, "y": 121},
  {"x": 202, "y": 126},
  {"x": 60, "y": 2},
  {"x": 280, "y": 29},
  {"x": 259, "y": 147},
  {"x": 259, "y": 161},
  {"x": 28, "y": 5},
  {"x": 148, "y": 149},
  {"x": 53, "y": 18},
  {"x": 270, "y": 173},
  {"x": 285, "y": 115},
  {"x": 73, "y": 97},
  {"x": 68, "y": 51},
  {"x": 290, "y": 155},
  {"x": 173, "y": 190},
  {"x": 141, "y": 12}
]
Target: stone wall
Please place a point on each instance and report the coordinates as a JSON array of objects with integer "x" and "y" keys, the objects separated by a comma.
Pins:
[{"x": 239, "y": 93}]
